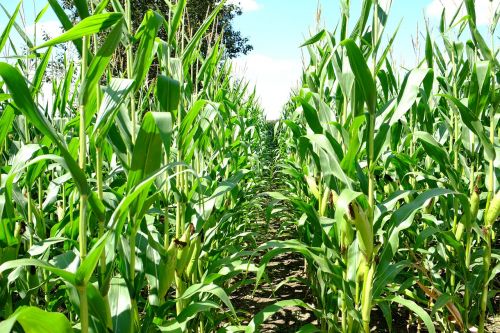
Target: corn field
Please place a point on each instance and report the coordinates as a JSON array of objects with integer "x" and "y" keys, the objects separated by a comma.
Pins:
[{"x": 138, "y": 204}]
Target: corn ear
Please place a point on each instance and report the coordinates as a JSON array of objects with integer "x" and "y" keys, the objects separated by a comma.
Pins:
[
  {"x": 324, "y": 202},
  {"x": 167, "y": 272},
  {"x": 429, "y": 206},
  {"x": 474, "y": 204},
  {"x": 334, "y": 198},
  {"x": 184, "y": 253},
  {"x": 460, "y": 231},
  {"x": 364, "y": 228},
  {"x": 362, "y": 267},
  {"x": 195, "y": 253},
  {"x": 493, "y": 210},
  {"x": 346, "y": 235},
  {"x": 313, "y": 187}
]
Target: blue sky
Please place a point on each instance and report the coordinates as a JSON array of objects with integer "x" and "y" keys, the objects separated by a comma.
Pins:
[{"x": 276, "y": 29}]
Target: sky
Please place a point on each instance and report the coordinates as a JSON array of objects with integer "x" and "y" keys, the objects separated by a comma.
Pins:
[{"x": 276, "y": 29}]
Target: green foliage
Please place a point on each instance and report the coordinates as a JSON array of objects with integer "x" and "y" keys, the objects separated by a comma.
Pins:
[
  {"x": 153, "y": 159},
  {"x": 127, "y": 206},
  {"x": 397, "y": 223}
]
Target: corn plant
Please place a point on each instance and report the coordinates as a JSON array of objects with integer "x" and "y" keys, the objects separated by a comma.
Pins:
[
  {"x": 392, "y": 174},
  {"x": 112, "y": 200},
  {"x": 127, "y": 203}
]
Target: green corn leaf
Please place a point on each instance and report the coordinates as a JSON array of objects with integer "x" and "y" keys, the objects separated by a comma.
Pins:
[
  {"x": 98, "y": 309},
  {"x": 147, "y": 150},
  {"x": 88, "y": 26},
  {"x": 359, "y": 28},
  {"x": 146, "y": 157},
  {"x": 6, "y": 120},
  {"x": 62, "y": 98},
  {"x": 115, "y": 221},
  {"x": 194, "y": 43},
  {"x": 176, "y": 20},
  {"x": 40, "y": 72},
  {"x": 362, "y": 73},
  {"x": 381, "y": 141},
  {"x": 35, "y": 320},
  {"x": 433, "y": 148},
  {"x": 213, "y": 289},
  {"x": 312, "y": 118},
  {"x": 328, "y": 159},
  {"x": 6, "y": 32},
  {"x": 165, "y": 127},
  {"x": 64, "y": 274},
  {"x": 168, "y": 93},
  {"x": 144, "y": 55},
  {"x": 180, "y": 322},
  {"x": 87, "y": 267},
  {"x": 350, "y": 158},
  {"x": 22, "y": 97},
  {"x": 115, "y": 96},
  {"x": 387, "y": 276},
  {"x": 479, "y": 87},
  {"x": 120, "y": 305},
  {"x": 98, "y": 66},
  {"x": 314, "y": 39},
  {"x": 82, "y": 8},
  {"x": 41, "y": 13},
  {"x": 441, "y": 302},
  {"x": 402, "y": 219},
  {"x": 215, "y": 57},
  {"x": 474, "y": 124},
  {"x": 101, "y": 7},
  {"x": 295, "y": 246},
  {"x": 416, "y": 309},
  {"x": 387, "y": 49},
  {"x": 409, "y": 95},
  {"x": 65, "y": 22},
  {"x": 469, "y": 5},
  {"x": 429, "y": 53},
  {"x": 482, "y": 45}
]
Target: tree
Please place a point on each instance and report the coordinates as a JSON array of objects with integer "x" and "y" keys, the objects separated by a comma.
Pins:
[
  {"x": 196, "y": 11},
  {"x": 234, "y": 43}
]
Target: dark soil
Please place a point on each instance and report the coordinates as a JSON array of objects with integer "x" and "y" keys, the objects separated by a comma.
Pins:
[
  {"x": 288, "y": 267},
  {"x": 283, "y": 273}
]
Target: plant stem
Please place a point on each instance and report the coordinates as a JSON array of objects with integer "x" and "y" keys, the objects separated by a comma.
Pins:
[
  {"x": 84, "y": 308},
  {"x": 130, "y": 68},
  {"x": 100, "y": 194},
  {"x": 82, "y": 225},
  {"x": 166, "y": 226},
  {"x": 486, "y": 272},
  {"x": 487, "y": 229},
  {"x": 366, "y": 298}
]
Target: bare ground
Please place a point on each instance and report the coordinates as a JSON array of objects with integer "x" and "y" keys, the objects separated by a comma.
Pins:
[{"x": 284, "y": 273}]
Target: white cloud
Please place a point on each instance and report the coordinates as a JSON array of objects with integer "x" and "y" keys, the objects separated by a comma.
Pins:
[
  {"x": 485, "y": 9},
  {"x": 274, "y": 79},
  {"x": 246, "y": 5},
  {"x": 51, "y": 28}
]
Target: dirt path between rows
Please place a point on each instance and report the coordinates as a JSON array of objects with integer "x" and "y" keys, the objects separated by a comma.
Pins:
[{"x": 284, "y": 272}]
